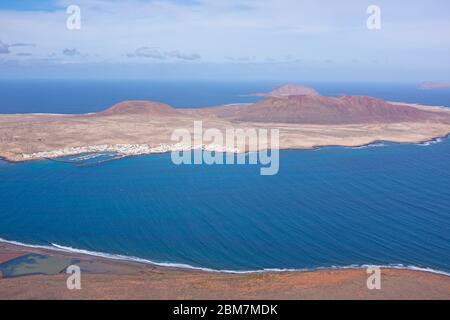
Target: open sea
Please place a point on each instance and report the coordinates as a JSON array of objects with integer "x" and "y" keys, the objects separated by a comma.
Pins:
[{"x": 334, "y": 207}]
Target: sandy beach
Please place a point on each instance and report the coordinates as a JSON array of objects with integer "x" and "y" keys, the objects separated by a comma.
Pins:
[{"x": 112, "y": 279}]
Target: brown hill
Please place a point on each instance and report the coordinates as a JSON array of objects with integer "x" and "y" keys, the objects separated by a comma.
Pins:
[
  {"x": 140, "y": 107},
  {"x": 314, "y": 109},
  {"x": 292, "y": 104}
]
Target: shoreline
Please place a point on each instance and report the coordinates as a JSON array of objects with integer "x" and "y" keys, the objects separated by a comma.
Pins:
[
  {"x": 425, "y": 142},
  {"x": 129, "y": 131},
  {"x": 77, "y": 253},
  {"x": 103, "y": 278}
]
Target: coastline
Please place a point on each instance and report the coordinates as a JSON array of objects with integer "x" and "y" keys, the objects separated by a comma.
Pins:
[
  {"x": 425, "y": 142},
  {"x": 104, "y": 278},
  {"x": 129, "y": 130},
  {"x": 58, "y": 249}
]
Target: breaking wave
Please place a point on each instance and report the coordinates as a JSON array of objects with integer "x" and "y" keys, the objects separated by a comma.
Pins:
[{"x": 66, "y": 249}]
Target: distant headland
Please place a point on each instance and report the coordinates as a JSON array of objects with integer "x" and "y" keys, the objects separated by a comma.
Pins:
[{"x": 429, "y": 85}]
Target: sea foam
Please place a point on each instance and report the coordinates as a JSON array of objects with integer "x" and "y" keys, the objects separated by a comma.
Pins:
[{"x": 66, "y": 249}]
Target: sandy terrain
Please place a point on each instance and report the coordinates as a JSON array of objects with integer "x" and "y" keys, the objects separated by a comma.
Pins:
[
  {"x": 110, "y": 279},
  {"x": 23, "y": 135}
]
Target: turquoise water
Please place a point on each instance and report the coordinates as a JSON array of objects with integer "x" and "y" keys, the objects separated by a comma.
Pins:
[{"x": 328, "y": 207}]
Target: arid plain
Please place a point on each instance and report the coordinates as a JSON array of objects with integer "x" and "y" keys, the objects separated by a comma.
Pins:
[{"x": 304, "y": 118}]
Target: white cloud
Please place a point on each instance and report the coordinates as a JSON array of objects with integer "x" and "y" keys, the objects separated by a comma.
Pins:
[
  {"x": 5, "y": 48},
  {"x": 183, "y": 56},
  {"x": 148, "y": 52},
  {"x": 71, "y": 52},
  {"x": 155, "y": 53},
  {"x": 311, "y": 30}
]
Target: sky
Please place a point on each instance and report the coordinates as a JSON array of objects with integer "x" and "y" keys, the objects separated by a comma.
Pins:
[{"x": 313, "y": 40}]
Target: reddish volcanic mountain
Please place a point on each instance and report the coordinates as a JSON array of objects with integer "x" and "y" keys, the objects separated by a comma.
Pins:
[
  {"x": 140, "y": 107},
  {"x": 316, "y": 109},
  {"x": 292, "y": 104}
]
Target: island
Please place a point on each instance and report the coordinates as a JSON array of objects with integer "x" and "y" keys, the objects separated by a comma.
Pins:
[
  {"x": 304, "y": 118},
  {"x": 430, "y": 85}
]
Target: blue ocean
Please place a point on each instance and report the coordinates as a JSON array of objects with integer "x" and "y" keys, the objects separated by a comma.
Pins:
[
  {"x": 386, "y": 204},
  {"x": 84, "y": 96}
]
